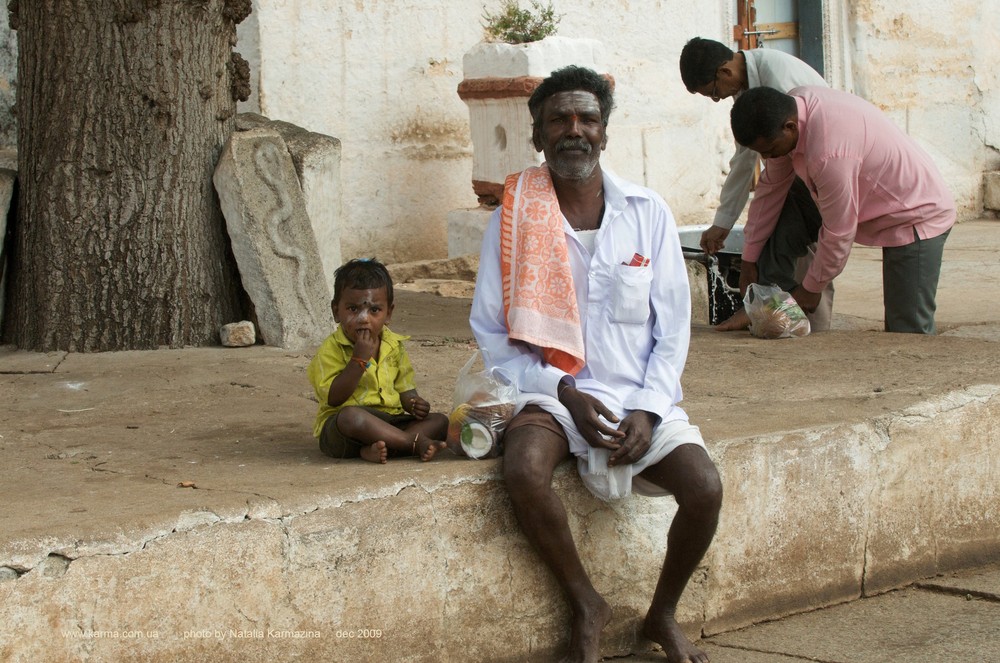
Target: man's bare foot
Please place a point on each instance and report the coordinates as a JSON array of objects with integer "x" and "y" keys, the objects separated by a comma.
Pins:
[
  {"x": 737, "y": 321},
  {"x": 426, "y": 447},
  {"x": 585, "y": 637},
  {"x": 375, "y": 453},
  {"x": 666, "y": 632}
]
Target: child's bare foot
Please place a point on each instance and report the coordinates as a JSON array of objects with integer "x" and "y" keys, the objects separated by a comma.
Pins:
[
  {"x": 427, "y": 448},
  {"x": 666, "y": 632},
  {"x": 375, "y": 453}
]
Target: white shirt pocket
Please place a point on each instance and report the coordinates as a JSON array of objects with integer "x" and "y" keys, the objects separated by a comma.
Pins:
[{"x": 630, "y": 299}]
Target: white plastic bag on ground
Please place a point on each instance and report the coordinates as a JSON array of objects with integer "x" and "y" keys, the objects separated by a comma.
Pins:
[{"x": 774, "y": 313}]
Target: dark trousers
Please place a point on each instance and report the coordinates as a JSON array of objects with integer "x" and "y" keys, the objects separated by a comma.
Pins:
[
  {"x": 797, "y": 228},
  {"x": 791, "y": 246},
  {"x": 910, "y": 277}
]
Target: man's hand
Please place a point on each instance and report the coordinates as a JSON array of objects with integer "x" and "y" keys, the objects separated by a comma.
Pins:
[
  {"x": 587, "y": 412},
  {"x": 713, "y": 239},
  {"x": 748, "y": 275},
  {"x": 638, "y": 428},
  {"x": 806, "y": 299}
]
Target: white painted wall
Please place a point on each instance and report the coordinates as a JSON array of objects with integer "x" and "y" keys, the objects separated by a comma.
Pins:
[
  {"x": 932, "y": 67},
  {"x": 381, "y": 76}
]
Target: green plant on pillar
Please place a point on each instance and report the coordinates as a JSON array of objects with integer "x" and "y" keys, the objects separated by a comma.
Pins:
[{"x": 513, "y": 25}]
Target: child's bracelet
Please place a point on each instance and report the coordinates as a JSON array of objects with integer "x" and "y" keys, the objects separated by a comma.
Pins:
[{"x": 362, "y": 363}]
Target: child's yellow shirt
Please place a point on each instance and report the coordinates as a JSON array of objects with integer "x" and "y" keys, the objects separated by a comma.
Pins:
[{"x": 380, "y": 385}]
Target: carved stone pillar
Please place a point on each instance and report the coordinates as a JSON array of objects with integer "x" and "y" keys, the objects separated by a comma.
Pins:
[{"x": 498, "y": 79}]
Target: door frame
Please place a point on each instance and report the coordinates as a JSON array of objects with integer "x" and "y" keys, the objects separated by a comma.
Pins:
[{"x": 823, "y": 42}]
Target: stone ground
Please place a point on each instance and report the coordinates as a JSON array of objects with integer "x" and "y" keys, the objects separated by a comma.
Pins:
[
  {"x": 101, "y": 451},
  {"x": 950, "y": 618}
]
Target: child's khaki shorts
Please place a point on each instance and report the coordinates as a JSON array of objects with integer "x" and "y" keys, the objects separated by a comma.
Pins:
[{"x": 335, "y": 444}]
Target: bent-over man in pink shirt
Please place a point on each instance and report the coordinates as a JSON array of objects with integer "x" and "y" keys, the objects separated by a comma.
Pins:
[{"x": 872, "y": 183}]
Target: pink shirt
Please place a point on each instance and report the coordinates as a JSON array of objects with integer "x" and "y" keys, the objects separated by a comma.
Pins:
[{"x": 872, "y": 183}]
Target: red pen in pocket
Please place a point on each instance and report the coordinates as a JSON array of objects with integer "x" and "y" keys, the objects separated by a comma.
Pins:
[{"x": 638, "y": 260}]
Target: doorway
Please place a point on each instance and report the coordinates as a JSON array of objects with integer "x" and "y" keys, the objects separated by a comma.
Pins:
[{"x": 792, "y": 26}]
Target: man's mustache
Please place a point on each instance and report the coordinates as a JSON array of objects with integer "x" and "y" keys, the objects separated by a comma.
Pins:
[{"x": 573, "y": 144}]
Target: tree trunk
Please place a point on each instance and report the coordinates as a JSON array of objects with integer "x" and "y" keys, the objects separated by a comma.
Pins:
[{"x": 123, "y": 108}]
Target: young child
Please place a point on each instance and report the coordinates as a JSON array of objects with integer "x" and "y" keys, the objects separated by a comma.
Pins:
[{"x": 368, "y": 404}]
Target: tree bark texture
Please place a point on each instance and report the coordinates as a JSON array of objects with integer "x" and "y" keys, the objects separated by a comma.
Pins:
[{"x": 123, "y": 109}]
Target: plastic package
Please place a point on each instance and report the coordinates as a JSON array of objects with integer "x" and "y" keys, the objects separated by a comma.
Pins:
[
  {"x": 774, "y": 313},
  {"x": 482, "y": 407}
]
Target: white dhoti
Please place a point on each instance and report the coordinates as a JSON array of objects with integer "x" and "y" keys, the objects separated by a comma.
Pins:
[{"x": 612, "y": 483}]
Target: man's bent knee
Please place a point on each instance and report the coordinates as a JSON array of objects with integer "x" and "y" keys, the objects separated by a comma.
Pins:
[
  {"x": 530, "y": 457},
  {"x": 525, "y": 483},
  {"x": 704, "y": 490},
  {"x": 692, "y": 477},
  {"x": 701, "y": 492}
]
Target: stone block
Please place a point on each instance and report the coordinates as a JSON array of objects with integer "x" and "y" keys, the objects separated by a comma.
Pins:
[
  {"x": 465, "y": 230},
  {"x": 192, "y": 592},
  {"x": 991, "y": 190},
  {"x": 501, "y": 139},
  {"x": 272, "y": 239},
  {"x": 461, "y": 268},
  {"x": 317, "y": 164},
  {"x": 8, "y": 159},
  {"x": 983, "y": 583},
  {"x": 447, "y": 555},
  {"x": 238, "y": 334},
  {"x": 793, "y": 527},
  {"x": 537, "y": 59},
  {"x": 7, "y": 177},
  {"x": 359, "y": 554},
  {"x": 446, "y": 277},
  {"x": 441, "y": 287},
  {"x": 697, "y": 275},
  {"x": 499, "y": 78},
  {"x": 934, "y": 492}
]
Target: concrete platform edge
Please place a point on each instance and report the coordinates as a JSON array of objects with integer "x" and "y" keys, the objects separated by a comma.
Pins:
[{"x": 851, "y": 509}]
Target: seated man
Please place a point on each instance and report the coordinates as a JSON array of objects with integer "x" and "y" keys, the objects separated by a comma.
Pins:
[
  {"x": 872, "y": 183},
  {"x": 582, "y": 301}
]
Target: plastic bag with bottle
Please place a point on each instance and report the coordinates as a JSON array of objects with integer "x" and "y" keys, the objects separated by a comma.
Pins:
[{"x": 482, "y": 407}]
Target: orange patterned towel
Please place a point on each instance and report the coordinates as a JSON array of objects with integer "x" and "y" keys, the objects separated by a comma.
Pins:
[{"x": 538, "y": 296}]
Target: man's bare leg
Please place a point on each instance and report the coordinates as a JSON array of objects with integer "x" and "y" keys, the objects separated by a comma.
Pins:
[
  {"x": 531, "y": 454},
  {"x": 689, "y": 474}
]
